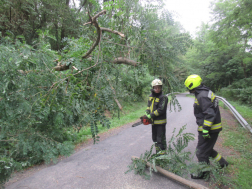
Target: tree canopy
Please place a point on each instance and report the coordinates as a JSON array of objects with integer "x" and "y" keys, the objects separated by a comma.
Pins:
[{"x": 222, "y": 50}]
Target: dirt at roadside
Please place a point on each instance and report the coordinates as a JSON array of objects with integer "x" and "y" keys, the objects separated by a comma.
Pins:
[{"x": 229, "y": 119}]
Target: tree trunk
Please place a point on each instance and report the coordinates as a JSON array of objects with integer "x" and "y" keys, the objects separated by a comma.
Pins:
[
  {"x": 63, "y": 28},
  {"x": 242, "y": 63},
  {"x": 56, "y": 35}
]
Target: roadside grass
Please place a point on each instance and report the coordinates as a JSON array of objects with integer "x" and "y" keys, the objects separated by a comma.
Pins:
[
  {"x": 239, "y": 140},
  {"x": 131, "y": 112},
  {"x": 190, "y": 95},
  {"x": 245, "y": 111}
]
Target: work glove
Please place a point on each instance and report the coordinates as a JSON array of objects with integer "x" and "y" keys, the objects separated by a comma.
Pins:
[
  {"x": 205, "y": 134},
  {"x": 148, "y": 115}
]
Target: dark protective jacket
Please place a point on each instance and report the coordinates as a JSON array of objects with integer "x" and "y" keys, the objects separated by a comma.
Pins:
[
  {"x": 206, "y": 110},
  {"x": 157, "y": 106}
]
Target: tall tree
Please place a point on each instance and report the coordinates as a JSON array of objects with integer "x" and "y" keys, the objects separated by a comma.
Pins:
[{"x": 233, "y": 27}]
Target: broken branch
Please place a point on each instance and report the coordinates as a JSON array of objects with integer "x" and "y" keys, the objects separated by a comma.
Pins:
[
  {"x": 122, "y": 60},
  {"x": 61, "y": 67},
  {"x": 94, "y": 22},
  {"x": 113, "y": 31}
]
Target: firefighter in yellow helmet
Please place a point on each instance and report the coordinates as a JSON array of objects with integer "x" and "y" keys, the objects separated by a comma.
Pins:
[
  {"x": 156, "y": 110},
  {"x": 208, "y": 119}
]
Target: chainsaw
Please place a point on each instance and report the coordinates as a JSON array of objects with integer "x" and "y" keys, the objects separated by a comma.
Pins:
[{"x": 144, "y": 120}]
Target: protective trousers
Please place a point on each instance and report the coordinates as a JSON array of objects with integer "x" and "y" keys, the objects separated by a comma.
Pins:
[
  {"x": 205, "y": 149},
  {"x": 159, "y": 136}
]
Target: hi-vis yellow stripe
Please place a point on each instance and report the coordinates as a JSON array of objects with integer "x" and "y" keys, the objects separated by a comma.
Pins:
[
  {"x": 156, "y": 113},
  {"x": 211, "y": 95},
  {"x": 218, "y": 157},
  {"x": 160, "y": 121},
  {"x": 216, "y": 126},
  {"x": 196, "y": 101},
  {"x": 208, "y": 123},
  {"x": 213, "y": 127},
  {"x": 152, "y": 104}
]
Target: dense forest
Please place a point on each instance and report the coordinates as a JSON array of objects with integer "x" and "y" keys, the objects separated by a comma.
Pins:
[{"x": 65, "y": 62}]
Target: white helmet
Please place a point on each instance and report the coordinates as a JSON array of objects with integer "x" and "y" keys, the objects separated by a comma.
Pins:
[{"x": 156, "y": 82}]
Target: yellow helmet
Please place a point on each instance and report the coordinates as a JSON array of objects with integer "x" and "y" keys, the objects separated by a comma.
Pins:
[
  {"x": 193, "y": 81},
  {"x": 156, "y": 82}
]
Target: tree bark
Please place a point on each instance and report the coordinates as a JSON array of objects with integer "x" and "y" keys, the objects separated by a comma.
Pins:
[
  {"x": 113, "y": 31},
  {"x": 94, "y": 22},
  {"x": 61, "y": 68}
]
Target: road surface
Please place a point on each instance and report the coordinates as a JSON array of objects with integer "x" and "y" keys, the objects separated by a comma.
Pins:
[{"x": 103, "y": 165}]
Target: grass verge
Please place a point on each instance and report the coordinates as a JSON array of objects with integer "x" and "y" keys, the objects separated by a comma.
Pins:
[
  {"x": 245, "y": 111},
  {"x": 240, "y": 140}
]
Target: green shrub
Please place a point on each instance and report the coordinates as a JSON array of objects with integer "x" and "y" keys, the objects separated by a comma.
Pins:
[
  {"x": 7, "y": 166},
  {"x": 239, "y": 91}
]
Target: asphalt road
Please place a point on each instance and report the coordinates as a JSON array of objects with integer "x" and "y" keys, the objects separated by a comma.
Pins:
[{"x": 103, "y": 166}]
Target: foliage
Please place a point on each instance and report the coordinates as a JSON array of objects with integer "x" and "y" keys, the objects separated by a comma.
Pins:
[
  {"x": 139, "y": 164},
  {"x": 38, "y": 105},
  {"x": 216, "y": 176},
  {"x": 173, "y": 159},
  {"x": 222, "y": 51},
  {"x": 131, "y": 112},
  {"x": 32, "y": 113},
  {"x": 175, "y": 156},
  {"x": 7, "y": 166},
  {"x": 240, "y": 91},
  {"x": 26, "y": 17}
]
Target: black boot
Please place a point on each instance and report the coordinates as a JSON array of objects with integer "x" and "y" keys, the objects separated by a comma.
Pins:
[
  {"x": 201, "y": 175},
  {"x": 223, "y": 163}
]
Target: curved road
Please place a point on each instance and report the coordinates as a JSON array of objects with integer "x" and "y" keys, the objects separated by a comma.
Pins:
[{"x": 102, "y": 166}]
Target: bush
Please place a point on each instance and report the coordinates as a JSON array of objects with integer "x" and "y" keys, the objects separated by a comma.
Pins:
[
  {"x": 239, "y": 91},
  {"x": 7, "y": 166}
]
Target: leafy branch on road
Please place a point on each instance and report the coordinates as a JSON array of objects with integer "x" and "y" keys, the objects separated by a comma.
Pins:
[{"x": 178, "y": 160}]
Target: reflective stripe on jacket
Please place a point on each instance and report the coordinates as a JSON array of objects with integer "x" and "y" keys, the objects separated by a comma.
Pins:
[
  {"x": 206, "y": 110},
  {"x": 157, "y": 106}
]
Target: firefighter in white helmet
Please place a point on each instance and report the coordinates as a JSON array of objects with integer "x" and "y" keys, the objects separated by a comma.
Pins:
[{"x": 156, "y": 110}]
